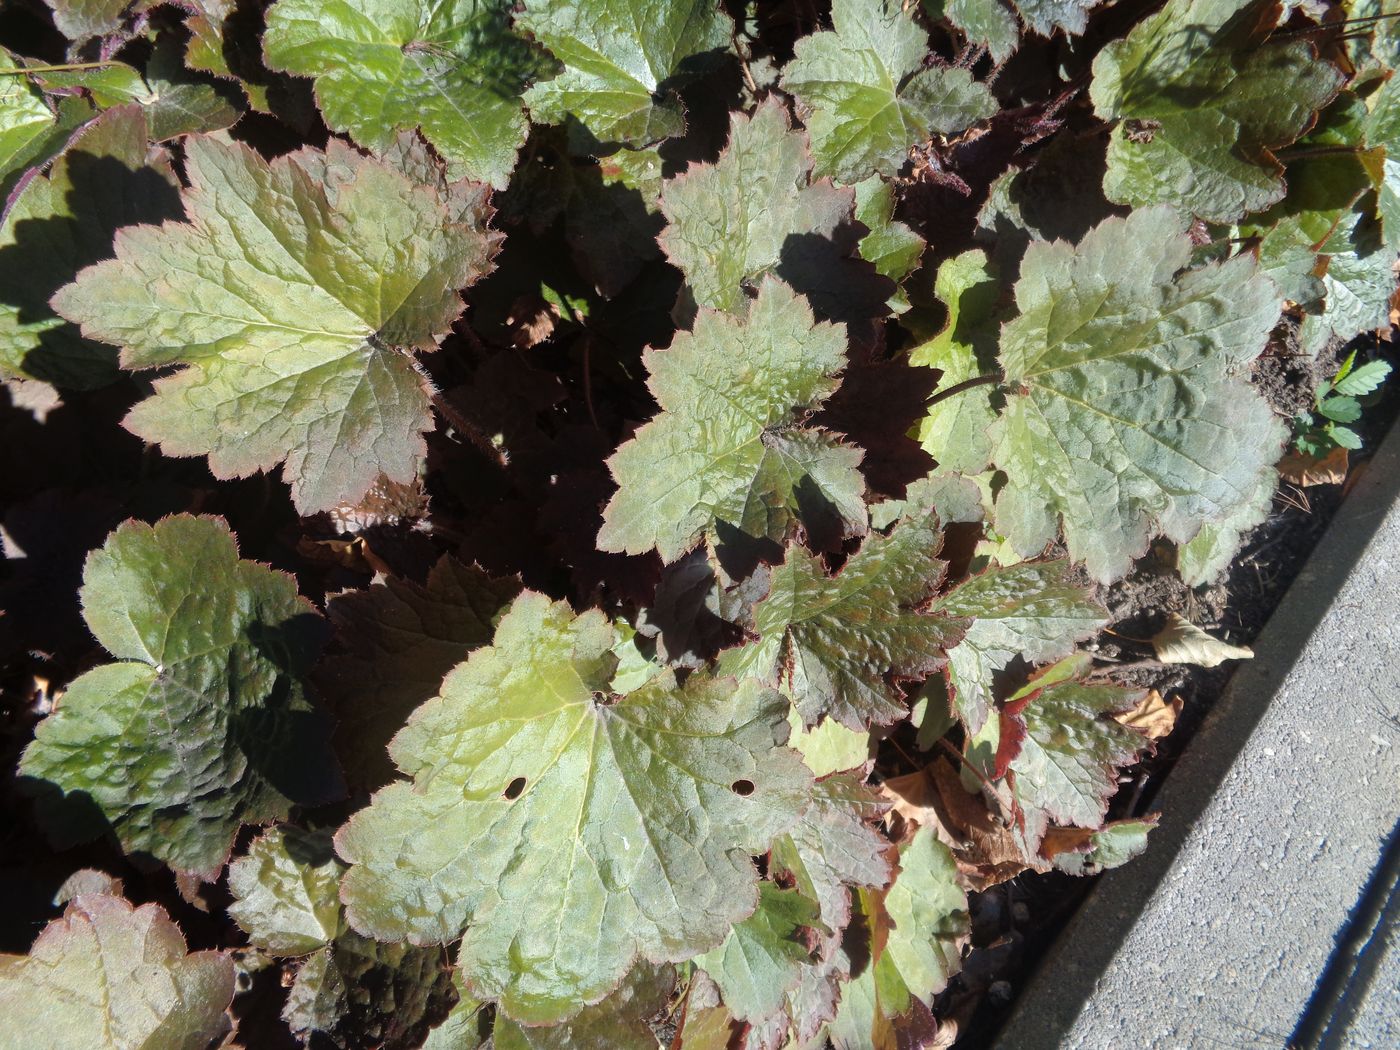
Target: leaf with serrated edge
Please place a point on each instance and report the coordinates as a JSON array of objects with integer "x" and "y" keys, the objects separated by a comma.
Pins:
[
  {"x": 62, "y": 223},
  {"x": 915, "y": 929},
  {"x": 762, "y": 958},
  {"x": 619, "y": 1022},
  {"x": 723, "y": 449},
  {"x": 869, "y": 95},
  {"x": 394, "y": 642},
  {"x": 1113, "y": 845},
  {"x": 81, "y": 20},
  {"x": 834, "y": 846},
  {"x": 623, "y": 61},
  {"x": 986, "y": 21},
  {"x": 955, "y": 431},
  {"x": 294, "y": 295},
  {"x": 891, "y": 247},
  {"x": 730, "y": 220},
  {"x": 286, "y": 891},
  {"x": 1205, "y": 557},
  {"x": 1045, "y": 16},
  {"x": 204, "y": 725},
  {"x": 1031, "y": 610},
  {"x": 1126, "y": 415},
  {"x": 830, "y": 641},
  {"x": 452, "y": 68},
  {"x": 24, "y": 117},
  {"x": 1072, "y": 749},
  {"x": 565, "y": 833},
  {"x": 113, "y": 976},
  {"x": 1200, "y": 102},
  {"x": 382, "y": 995}
]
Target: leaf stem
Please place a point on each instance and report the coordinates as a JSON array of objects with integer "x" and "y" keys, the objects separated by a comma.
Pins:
[
  {"x": 71, "y": 68},
  {"x": 966, "y": 384}
]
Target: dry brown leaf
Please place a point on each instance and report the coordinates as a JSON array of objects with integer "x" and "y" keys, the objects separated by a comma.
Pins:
[
  {"x": 1305, "y": 471},
  {"x": 1153, "y": 716},
  {"x": 989, "y": 853},
  {"x": 1182, "y": 642},
  {"x": 917, "y": 801}
]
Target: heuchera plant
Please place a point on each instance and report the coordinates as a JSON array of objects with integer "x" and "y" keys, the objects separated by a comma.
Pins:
[{"x": 670, "y": 411}]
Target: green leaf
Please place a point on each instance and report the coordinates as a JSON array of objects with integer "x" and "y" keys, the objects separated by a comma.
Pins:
[
  {"x": 1032, "y": 610},
  {"x": 915, "y": 931},
  {"x": 828, "y": 746},
  {"x": 750, "y": 213},
  {"x": 81, "y": 20},
  {"x": 293, "y": 296},
  {"x": 891, "y": 247},
  {"x": 394, "y": 643},
  {"x": 834, "y": 846},
  {"x": 62, "y": 223},
  {"x": 450, "y": 67},
  {"x": 624, "y": 61},
  {"x": 869, "y": 95},
  {"x": 204, "y": 725},
  {"x": 1126, "y": 414},
  {"x": 833, "y": 642},
  {"x": 1343, "y": 436},
  {"x": 468, "y": 1025},
  {"x": 1111, "y": 846},
  {"x": 113, "y": 976},
  {"x": 955, "y": 432},
  {"x": 1206, "y": 556},
  {"x": 24, "y": 116},
  {"x": 362, "y": 992},
  {"x": 619, "y": 1022},
  {"x": 1201, "y": 100},
  {"x": 727, "y": 452},
  {"x": 762, "y": 958},
  {"x": 567, "y": 831},
  {"x": 1364, "y": 380},
  {"x": 1045, "y": 16},
  {"x": 286, "y": 891},
  {"x": 1067, "y": 767},
  {"x": 1340, "y": 409},
  {"x": 987, "y": 22}
]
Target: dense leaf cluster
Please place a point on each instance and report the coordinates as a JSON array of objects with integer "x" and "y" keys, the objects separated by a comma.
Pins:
[{"x": 538, "y": 471}]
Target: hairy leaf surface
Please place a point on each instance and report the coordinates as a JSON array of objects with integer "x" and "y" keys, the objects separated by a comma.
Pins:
[
  {"x": 623, "y": 62},
  {"x": 113, "y": 976},
  {"x": 727, "y": 450},
  {"x": 452, "y": 68},
  {"x": 830, "y": 641},
  {"x": 567, "y": 832},
  {"x": 204, "y": 725},
  {"x": 1126, "y": 415},
  {"x": 869, "y": 94},
  {"x": 1201, "y": 100},
  {"x": 294, "y": 295}
]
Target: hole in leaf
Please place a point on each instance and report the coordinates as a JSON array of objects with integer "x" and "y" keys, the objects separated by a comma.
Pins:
[
  {"x": 742, "y": 787},
  {"x": 514, "y": 788}
]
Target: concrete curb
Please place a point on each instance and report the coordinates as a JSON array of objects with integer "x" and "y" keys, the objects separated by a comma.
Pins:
[{"x": 1263, "y": 913}]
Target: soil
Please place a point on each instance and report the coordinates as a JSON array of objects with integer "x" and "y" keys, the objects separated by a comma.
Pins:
[{"x": 1014, "y": 923}]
